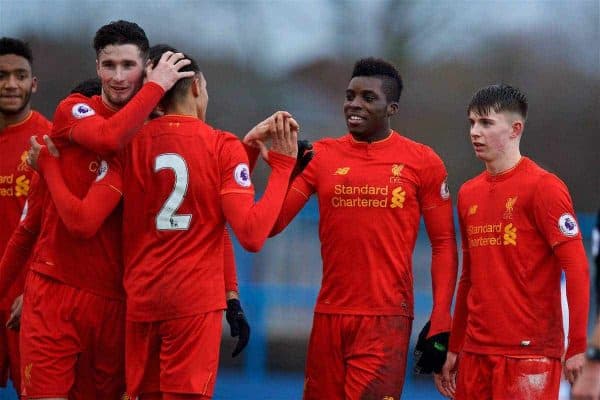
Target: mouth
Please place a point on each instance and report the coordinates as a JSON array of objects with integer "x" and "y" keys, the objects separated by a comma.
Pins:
[
  {"x": 353, "y": 120},
  {"x": 478, "y": 146}
]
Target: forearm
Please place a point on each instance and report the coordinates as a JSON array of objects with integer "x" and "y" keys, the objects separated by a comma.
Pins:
[
  {"x": 459, "y": 320},
  {"x": 231, "y": 283},
  {"x": 444, "y": 265},
  {"x": 81, "y": 217},
  {"x": 251, "y": 221},
  {"x": 293, "y": 203},
  {"x": 112, "y": 134},
  {"x": 14, "y": 260},
  {"x": 572, "y": 258}
]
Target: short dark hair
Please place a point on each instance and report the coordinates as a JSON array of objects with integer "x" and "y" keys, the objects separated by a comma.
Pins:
[
  {"x": 17, "y": 47},
  {"x": 182, "y": 85},
  {"x": 119, "y": 33},
  {"x": 391, "y": 81},
  {"x": 500, "y": 97},
  {"x": 90, "y": 87}
]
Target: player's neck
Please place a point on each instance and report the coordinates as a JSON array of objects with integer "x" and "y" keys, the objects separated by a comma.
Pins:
[
  {"x": 13, "y": 119},
  {"x": 182, "y": 108},
  {"x": 503, "y": 164}
]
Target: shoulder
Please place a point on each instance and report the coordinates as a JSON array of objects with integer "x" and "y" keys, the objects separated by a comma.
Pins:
[
  {"x": 426, "y": 154},
  {"x": 540, "y": 177},
  {"x": 41, "y": 121},
  {"x": 472, "y": 184}
]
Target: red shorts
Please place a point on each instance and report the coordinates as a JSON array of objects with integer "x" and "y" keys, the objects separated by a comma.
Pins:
[
  {"x": 72, "y": 342},
  {"x": 356, "y": 357},
  {"x": 500, "y": 377},
  {"x": 9, "y": 353},
  {"x": 174, "y": 356}
]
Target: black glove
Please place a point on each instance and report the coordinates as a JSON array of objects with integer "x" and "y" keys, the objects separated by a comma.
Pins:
[
  {"x": 430, "y": 354},
  {"x": 305, "y": 154},
  {"x": 238, "y": 325}
]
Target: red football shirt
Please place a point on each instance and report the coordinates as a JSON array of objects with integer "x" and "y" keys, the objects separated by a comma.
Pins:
[
  {"x": 509, "y": 293},
  {"x": 92, "y": 264},
  {"x": 177, "y": 172},
  {"x": 15, "y": 179},
  {"x": 371, "y": 197}
]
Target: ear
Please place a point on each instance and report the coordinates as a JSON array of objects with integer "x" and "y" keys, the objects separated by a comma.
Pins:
[
  {"x": 34, "y": 83},
  {"x": 195, "y": 87},
  {"x": 517, "y": 128},
  {"x": 392, "y": 108}
]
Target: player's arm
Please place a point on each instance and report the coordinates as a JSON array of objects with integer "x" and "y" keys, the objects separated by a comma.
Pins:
[
  {"x": 439, "y": 223},
  {"x": 21, "y": 243},
  {"x": 252, "y": 222},
  {"x": 555, "y": 219},
  {"x": 105, "y": 136},
  {"x": 82, "y": 217}
]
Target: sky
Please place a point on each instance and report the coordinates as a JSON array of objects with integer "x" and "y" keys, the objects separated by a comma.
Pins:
[{"x": 280, "y": 35}]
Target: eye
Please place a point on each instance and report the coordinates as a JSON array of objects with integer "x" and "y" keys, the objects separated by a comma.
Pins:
[
  {"x": 349, "y": 96},
  {"x": 369, "y": 98}
]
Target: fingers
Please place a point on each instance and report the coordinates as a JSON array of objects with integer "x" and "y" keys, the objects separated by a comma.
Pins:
[
  {"x": 51, "y": 146},
  {"x": 243, "y": 340},
  {"x": 34, "y": 143}
]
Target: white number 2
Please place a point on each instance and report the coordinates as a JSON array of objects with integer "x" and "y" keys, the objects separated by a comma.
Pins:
[{"x": 166, "y": 219}]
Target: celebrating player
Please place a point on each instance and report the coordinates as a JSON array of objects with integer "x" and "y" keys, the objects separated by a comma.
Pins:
[
  {"x": 181, "y": 179},
  {"x": 73, "y": 317},
  {"x": 17, "y": 123},
  {"x": 519, "y": 233},
  {"x": 373, "y": 184}
]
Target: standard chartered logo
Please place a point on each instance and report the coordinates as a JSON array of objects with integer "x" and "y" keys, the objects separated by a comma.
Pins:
[
  {"x": 398, "y": 197},
  {"x": 492, "y": 235},
  {"x": 510, "y": 235},
  {"x": 21, "y": 186}
]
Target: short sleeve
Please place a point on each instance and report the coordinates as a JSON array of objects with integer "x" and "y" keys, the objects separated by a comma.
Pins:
[{"x": 553, "y": 211}]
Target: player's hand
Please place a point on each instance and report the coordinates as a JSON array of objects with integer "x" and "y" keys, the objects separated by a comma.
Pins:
[
  {"x": 305, "y": 154},
  {"x": 587, "y": 385},
  {"x": 285, "y": 138},
  {"x": 166, "y": 73},
  {"x": 14, "y": 321},
  {"x": 264, "y": 129},
  {"x": 430, "y": 353},
  {"x": 445, "y": 382},
  {"x": 573, "y": 366},
  {"x": 238, "y": 325},
  {"x": 36, "y": 149}
]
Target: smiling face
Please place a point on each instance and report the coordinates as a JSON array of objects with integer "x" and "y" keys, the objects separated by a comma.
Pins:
[
  {"x": 121, "y": 71},
  {"x": 495, "y": 136},
  {"x": 17, "y": 83},
  {"x": 367, "y": 110}
]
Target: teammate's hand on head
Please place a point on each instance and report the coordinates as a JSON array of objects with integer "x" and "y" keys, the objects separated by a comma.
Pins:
[
  {"x": 14, "y": 321},
  {"x": 166, "y": 73},
  {"x": 573, "y": 366},
  {"x": 238, "y": 325},
  {"x": 430, "y": 353}
]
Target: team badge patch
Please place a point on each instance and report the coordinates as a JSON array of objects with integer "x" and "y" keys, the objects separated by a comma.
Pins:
[
  {"x": 568, "y": 225},
  {"x": 445, "y": 190},
  {"x": 82, "y": 110},
  {"x": 242, "y": 175},
  {"x": 102, "y": 170}
]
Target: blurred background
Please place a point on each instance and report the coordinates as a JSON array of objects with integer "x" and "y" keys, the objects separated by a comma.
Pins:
[{"x": 263, "y": 56}]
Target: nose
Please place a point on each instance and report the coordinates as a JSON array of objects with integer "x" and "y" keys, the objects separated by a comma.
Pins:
[
  {"x": 119, "y": 73},
  {"x": 474, "y": 132},
  {"x": 12, "y": 81}
]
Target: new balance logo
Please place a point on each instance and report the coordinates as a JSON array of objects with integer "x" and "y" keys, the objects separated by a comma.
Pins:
[{"x": 342, "y": 171}]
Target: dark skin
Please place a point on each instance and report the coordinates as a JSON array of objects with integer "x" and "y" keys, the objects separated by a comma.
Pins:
[{"x": 367, "y": 109}]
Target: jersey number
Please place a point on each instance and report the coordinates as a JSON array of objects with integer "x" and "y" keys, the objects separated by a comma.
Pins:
[{"x": 166, "y": 219}]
